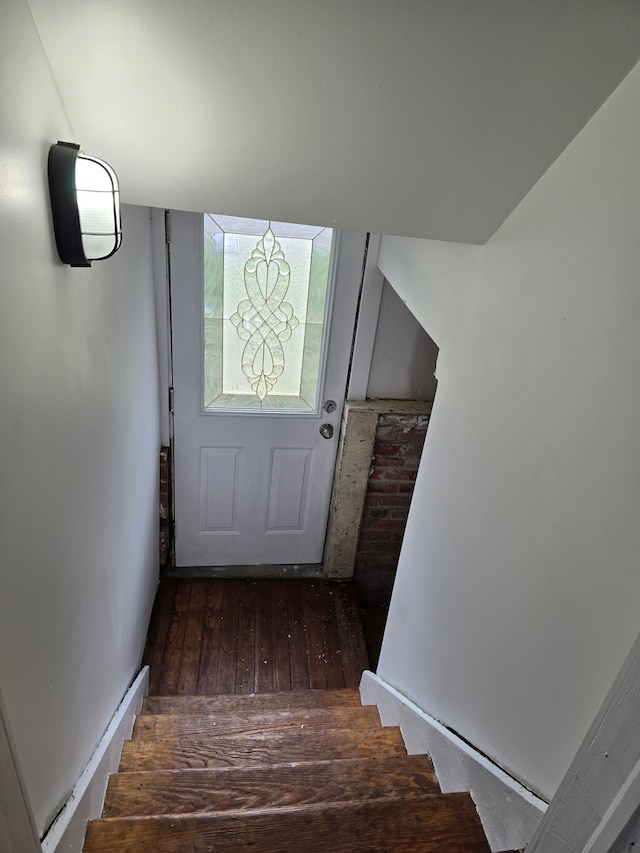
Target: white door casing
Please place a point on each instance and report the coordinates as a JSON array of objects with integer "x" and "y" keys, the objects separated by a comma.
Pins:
[{"x": 252, "y": 488}]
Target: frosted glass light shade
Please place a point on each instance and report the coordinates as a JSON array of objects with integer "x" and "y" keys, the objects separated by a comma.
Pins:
[{"x": 85, "y": 202}]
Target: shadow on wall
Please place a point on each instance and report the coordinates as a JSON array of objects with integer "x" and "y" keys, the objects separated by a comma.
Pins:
[
  {"x": 404, "y": 356},
  {"x": 402, "y": 368}
]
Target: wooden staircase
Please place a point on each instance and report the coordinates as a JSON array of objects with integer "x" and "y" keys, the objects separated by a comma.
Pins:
[{"x": 276, "y": 772}]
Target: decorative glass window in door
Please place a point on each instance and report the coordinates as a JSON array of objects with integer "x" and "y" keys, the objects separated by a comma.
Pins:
[{"x": 265, "y": 299}]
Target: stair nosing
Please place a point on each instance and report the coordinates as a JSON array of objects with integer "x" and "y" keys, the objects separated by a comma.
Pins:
[
  {"x": 338, "y": 805},
  {"x": 259, "y": 735},
  {"x": 357, "y": 716},
  {"x": 279, "y": 764}
]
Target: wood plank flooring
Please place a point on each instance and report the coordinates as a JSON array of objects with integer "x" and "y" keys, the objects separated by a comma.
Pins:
[{"x": 221, "y": 636}]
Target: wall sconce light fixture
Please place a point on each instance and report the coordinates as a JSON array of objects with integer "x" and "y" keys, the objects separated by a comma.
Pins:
[{"x": 85, "y": 203}]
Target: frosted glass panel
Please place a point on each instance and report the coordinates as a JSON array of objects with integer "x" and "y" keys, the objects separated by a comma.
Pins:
[
  {"x": 96, "y": 212},
  {"x": 96, "y": 246},
  {"x": 98, "y": 207},
  {"x": 265, "y": 293},
  {"x": 94, "y": 174}
]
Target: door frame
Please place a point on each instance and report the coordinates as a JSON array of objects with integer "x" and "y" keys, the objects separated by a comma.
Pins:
[{"x": 366, "y": 322}]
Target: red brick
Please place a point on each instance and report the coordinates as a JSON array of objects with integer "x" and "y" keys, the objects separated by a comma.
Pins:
[
  {"x": 394, "y": 474},
  {"x": 376, "y": 512},
  {"x": 376, "y": 561},
  {"x": 399, "y": 475},
  {"x": 376, "y": 547},
  {"x": 371, "y": 526},
  {"x": 388, "y": 462},
  {"x": 386, "y": 523},
  {"x": 394, "y": 500},
  {"x": 383, "y": 488},
  {"x": 414, "y": 432},
  {"x": 376, "y": 474},
  {"x": 397, "y": 451},
  {"x": 373, "y": 501},
  {"x": 400, "y": 512},
  {"x": 375, "y": 536},
  {"x": 382, "y": 535},
  {"x": 387, "y": 450},
  {"x": 391, "y": 535}
]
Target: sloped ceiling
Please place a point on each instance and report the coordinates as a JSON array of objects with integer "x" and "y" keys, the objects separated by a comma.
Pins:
[{"x": 428, "y": 118}]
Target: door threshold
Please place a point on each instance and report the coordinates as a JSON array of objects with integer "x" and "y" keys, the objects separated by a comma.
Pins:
[{"x": 305, "y": 570}]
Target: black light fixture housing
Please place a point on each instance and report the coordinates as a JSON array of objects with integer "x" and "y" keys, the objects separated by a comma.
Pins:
[{"x": 85, "y": 203}]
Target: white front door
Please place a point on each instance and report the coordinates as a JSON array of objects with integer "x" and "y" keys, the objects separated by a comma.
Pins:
[{"x": 257, "y": 356}]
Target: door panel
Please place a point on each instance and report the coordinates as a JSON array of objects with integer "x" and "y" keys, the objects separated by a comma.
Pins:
[
  {"x": 218, "y": 471},
  {"x": 288, "y": 501},
  {"x": 253, "y": 487}
]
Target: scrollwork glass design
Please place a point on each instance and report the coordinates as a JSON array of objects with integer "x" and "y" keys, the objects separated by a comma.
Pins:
[
  {"x": 265, "y": 298},
  {"x": 264, "y": 319}
]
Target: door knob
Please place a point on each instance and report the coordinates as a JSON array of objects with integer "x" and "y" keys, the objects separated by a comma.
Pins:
[{"x": 326, "y": 431}]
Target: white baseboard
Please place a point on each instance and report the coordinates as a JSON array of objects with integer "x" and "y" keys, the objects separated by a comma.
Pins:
[
  {"x": 66, "y": 834},
  {"x": 509, "y": 812}
]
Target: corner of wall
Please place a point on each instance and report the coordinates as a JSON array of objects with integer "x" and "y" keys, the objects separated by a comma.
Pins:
[
  {"x": 508, "y": 811},
  {"x": 66, "y": 834}
]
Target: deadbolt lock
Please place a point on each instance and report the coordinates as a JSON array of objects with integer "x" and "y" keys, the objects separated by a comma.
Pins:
[{"x": 329, "y": 406}]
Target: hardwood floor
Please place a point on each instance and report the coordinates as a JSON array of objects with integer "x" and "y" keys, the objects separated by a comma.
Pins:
[{"x": 213, "y": 636}]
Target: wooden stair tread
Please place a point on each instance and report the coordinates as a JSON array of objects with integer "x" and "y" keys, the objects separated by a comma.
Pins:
[
  {"x": 232, "y": 703},
  {"x": 151, "y": 726},
  {"x": 430, "y": 823},
  {"x": 259, "y": 787},
  {"x": 273, "y": 747},
  {"x": 276, "y": 772}
]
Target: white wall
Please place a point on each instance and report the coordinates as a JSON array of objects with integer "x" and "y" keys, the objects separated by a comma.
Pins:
[
  {"x": 517, "y": 593},
  {"x": 404, "y": 356},
  {"x": 419, "y": 117},
  {"x": 78, "y": 452}
]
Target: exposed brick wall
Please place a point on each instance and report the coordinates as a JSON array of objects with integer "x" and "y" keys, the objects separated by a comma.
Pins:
[
  {"x": 165, "y": 504},
  {"x": 396, "y": 456}
]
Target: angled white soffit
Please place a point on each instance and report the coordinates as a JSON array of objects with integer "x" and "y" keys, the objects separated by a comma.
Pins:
[{"x": 428, "y": 118}]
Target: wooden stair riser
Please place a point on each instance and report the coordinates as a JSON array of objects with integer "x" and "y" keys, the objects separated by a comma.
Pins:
[
  {"x": 152, "y": 726},
  {"x": 269, "y": 748},
  {"x": 241, "y": 703},
  {"x": 188, "y": 791},
  {"x": 426, "y": 824}
]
